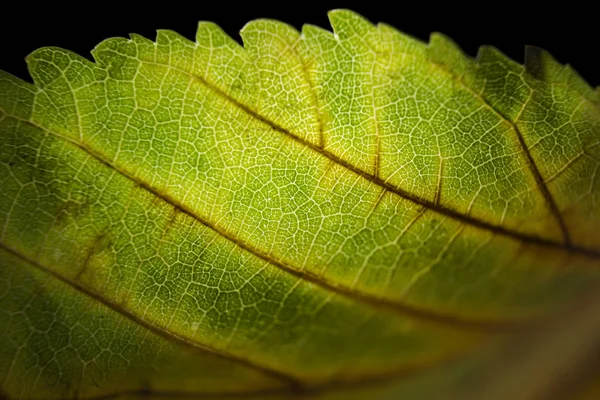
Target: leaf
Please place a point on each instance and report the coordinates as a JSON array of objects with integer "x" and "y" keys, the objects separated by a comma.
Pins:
[{"x": 348, "y": 214}]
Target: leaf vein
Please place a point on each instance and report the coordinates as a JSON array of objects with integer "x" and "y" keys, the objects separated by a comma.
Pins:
[
  {"x": 446, "y": 211},
  {"x": 288, "y": 379},
  {"x": 396, "y": 307}
]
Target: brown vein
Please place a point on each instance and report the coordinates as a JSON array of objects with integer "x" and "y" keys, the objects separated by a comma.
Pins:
[
  {"x": 539, "y": 180},
  {"x": 431, "y": 205},
  {"x": 377, "y": 163},
  {"x": 292, "y": 382},
  {"x": 542, "y": 187},
  {"x": 293, "y": 388},
  {"x": 396, "y": 307}
]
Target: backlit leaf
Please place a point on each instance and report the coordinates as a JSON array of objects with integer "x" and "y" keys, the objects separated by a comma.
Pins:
[{"x": 341, "y": 214}]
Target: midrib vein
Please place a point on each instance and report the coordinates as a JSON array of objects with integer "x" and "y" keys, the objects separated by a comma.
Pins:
[
  {"x": 291, "y": 381},
  {"x": 395, "y": 307},
  {"x": 431, "y": 205}
]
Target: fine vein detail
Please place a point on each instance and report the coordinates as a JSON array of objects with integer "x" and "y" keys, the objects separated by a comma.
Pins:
[
  {"x": 288, "y": 379},
  {"x": 433, "y": 206},
  {"x": 308, "y": 213},
  {"x": 393, "y": 306}
]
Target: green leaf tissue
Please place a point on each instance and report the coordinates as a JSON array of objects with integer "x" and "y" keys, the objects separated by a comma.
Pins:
[{"x": 345, "y": 214}]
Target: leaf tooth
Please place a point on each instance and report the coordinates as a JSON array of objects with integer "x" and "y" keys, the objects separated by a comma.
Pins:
[
  {"x": 167, "y": 37},
  {"x": 347, "y": 24},
  {"x": 210, "y": 34},
  {"x": 16, "y": 96},
  {"x": 41, "y": 66},
  {"x": 401, "y": 42},
  {"x": 542, "y": 66},
  {"x": 251, "y": 32},
  {"x": 140, "y": 40},
  {"x": 316, "y": 37},
  {"x": 445, "y": 52},
  {"x": 491, "y": 55},
  {"x": 114, "y": 55}
]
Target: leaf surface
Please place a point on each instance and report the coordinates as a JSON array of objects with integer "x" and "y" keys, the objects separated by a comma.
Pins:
[{"x": 310, "y": 213}]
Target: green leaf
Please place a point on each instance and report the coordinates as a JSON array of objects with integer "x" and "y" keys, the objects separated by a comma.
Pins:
[{"x": 347, "y": 214}]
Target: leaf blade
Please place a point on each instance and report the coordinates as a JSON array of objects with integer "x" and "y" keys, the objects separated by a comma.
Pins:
[{"x": 279, "y": 161}]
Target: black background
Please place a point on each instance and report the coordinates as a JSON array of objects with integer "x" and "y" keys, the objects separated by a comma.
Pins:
[{"x": 567, "y": 30}]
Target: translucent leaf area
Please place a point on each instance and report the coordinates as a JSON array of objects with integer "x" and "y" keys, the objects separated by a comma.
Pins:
[{"x": 340, "y": 215}]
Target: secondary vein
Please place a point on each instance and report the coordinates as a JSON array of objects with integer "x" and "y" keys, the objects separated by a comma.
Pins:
[
  {"x": 290, "y": 380},
  {"x": 395, "y": 307},
  {"x": 431, "y": 205}
]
